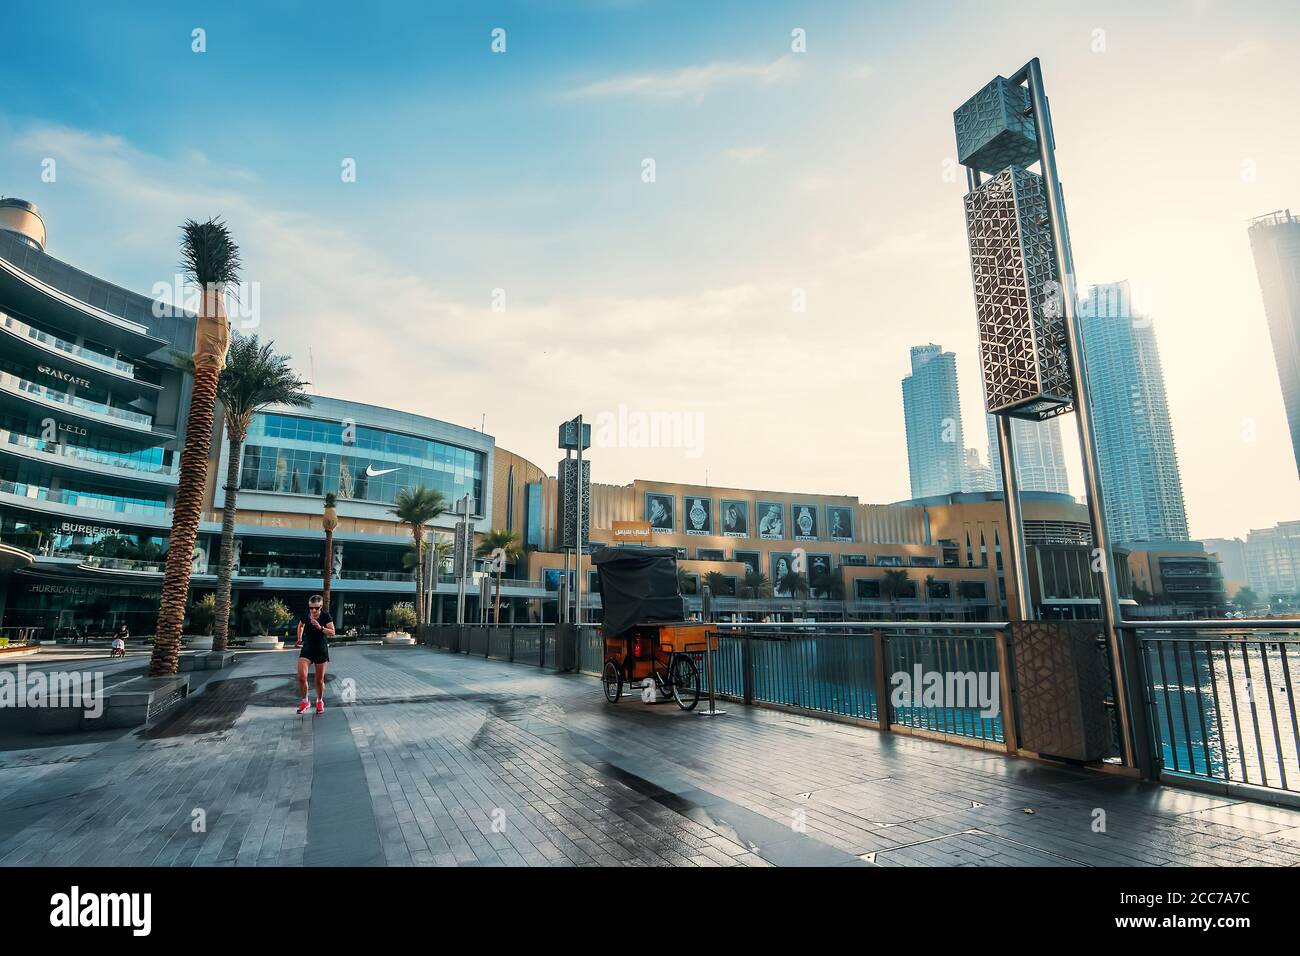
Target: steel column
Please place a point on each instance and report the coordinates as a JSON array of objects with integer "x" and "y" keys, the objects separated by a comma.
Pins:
[{"x": 1103, "y": 555}]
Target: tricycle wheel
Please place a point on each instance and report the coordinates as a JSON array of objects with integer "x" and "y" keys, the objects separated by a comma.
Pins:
[
  {"x": 612, "y": 679},
  {"x": 686, "y": 683}
]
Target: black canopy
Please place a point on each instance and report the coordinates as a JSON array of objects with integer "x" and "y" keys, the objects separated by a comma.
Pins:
[{"x": 638, "y": 586}]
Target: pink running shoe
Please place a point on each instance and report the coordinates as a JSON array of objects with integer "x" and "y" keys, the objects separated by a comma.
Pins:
[
  {"x": 302, "y": 708},
  {"x": 320, "y": 706}
]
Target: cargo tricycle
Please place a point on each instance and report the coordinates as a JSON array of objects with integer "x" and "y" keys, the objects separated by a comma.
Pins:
[{"x": 649, "y": 642}]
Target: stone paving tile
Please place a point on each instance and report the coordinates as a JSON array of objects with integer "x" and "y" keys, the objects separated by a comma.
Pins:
[{"x": 466, "y": 762}]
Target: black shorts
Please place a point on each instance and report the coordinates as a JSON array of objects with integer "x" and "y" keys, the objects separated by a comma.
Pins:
[{"x": 316, "y": 652}]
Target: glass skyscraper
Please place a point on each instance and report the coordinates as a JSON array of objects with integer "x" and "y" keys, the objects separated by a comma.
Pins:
[
  {"x": 1142, "y": 490},
  {"x": 936, "y": 448},
  {"x": 1040, "y": 463},
  {"x": 1275, "y": 241}
]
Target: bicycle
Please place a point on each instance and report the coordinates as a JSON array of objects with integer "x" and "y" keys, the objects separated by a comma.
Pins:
[{"x": 675, "y": 673}]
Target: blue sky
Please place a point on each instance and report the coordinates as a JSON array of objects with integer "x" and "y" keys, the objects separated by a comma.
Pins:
[{"x": 822, "y": 171}]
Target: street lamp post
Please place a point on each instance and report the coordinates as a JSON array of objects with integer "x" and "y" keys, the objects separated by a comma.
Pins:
[{"x": 1032, "y": 348}]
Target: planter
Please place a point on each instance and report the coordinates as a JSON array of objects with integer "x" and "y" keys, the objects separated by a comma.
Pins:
[
  {"x": 265, "y": 644},
  {"x": 398, "y": 637},
  {"x": 199, "y": 643}
]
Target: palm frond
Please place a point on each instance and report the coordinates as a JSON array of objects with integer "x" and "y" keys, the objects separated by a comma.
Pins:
[
  {"x": 255, "y": 377},
  {"x": 418, "y": 505},
  {"x": 209, "y": 255}
]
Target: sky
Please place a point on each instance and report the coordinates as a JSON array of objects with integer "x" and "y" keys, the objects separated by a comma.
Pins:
[{"x": 674, "y": 209}]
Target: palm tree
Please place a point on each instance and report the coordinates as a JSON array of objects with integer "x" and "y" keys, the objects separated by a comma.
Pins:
[
  {"x": 756, "y": 585},
  {"x": 210, "y": 259},
  {"x": 686, "y": 582},
  {"x": 508, "y": 542},
  {"x": 439, "y": 552},
  {"x": 829, "y": 585},
  {"x": 254, "y": 377},
  {"x": 719, "y": 583},
  {"x": 329, "y": 520},
  {"x": 417, "y": 507},
  {"x": 894, "y": 584}
]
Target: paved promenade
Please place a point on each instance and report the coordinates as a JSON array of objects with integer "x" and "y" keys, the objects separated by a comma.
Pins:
[{"x": 425, "y": 758}]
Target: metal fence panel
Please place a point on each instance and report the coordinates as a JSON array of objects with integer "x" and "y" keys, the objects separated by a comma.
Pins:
[{"x": 1222, "y": 706}]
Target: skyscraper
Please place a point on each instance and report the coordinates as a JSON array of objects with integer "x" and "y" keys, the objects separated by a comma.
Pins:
[
  {"x": 1275, "y": 241},
  {"x": 1273, "y": 560},
  {"x": 936, "y": 448},
  {"x": 1040, "y": 463},
  {"x": 978, "y": 477},
  {"x": 1142, "y": 490}
]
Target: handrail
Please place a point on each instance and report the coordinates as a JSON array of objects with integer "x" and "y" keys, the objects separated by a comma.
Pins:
[
  {"x": 1245, "y": 623},
  {"x": 55, "y": 343},
  {"x": 92, "y": 455},
  {"x": 867, "y": 626},
  {"x": 46, "y": 393}
]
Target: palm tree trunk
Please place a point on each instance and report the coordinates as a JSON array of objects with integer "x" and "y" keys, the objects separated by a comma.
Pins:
[
  {"x": 329, "y": 568},
  {"x": 226, "y": 569},
  {"x": 496, "y": 613},
  {"x": 185, "y": 522},
  {"x": 417, "y": 532}
]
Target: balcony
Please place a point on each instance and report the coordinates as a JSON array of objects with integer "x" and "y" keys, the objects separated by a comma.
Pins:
[
  {"x": 87, "y": 459},
  {"x": 96, "y": 562},
  {"x": 51, "y": 500},
  {"x": 54, "y": 344},
  {"x": 82, "y": 407}
]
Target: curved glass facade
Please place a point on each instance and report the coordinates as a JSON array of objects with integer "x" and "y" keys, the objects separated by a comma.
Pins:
[{"x": 290, "y": 454}]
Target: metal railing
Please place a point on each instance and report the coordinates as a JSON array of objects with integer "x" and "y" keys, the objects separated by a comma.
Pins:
[
  {"x": 95, "y": 456},
  {"x": 1220, "y": 696},
  {"x": 837, "y": 669},
  {"x": 44, "y": 392},
  {"x": 533, "y": 644},
  {"x": 125, "y": 564},
  {"x": 57, "y": 344},
  {"x": 826, "y": 669},
  {"x": 1221, "y": 699},
  {"x": 81, "y": 500}
]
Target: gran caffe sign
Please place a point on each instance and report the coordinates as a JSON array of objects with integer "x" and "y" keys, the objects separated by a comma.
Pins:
[{"x": 66, "y": 377}]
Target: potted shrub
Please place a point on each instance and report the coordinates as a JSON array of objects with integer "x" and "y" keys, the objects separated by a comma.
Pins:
[
  {"x": 203, "y": 614},
  {"x": 263, "y": 617},
  {"x": 401, "y": 618}
]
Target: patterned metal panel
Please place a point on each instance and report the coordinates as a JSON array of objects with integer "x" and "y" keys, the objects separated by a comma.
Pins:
[
  {"x": 568, "y": 501},
  {"x": 1024, "y": 353},
  {"x": 994, "y": 128},
  {"x": 1062, "y": 681}
]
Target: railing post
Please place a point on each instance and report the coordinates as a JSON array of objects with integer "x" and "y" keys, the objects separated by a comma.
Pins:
[
  {"x": 880, "y": 650},
  {"x": 1009, "y": 735},
  {"x": 747, "y": 668},
  {"x": 1137, "y": 688},
  {"x": 512, "y": 644}
]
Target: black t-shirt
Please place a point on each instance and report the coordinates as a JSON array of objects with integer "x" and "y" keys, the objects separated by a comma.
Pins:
[{"x": 310, "y": 633}]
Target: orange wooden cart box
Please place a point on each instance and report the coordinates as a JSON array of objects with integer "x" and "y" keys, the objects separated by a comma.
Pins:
[{"x": 685, "y": 638}]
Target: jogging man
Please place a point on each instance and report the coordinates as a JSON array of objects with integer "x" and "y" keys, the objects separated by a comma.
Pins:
[{"x": 315, "y": 628}]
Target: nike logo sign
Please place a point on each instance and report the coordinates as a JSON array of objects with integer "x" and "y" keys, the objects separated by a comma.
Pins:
[{"x": 371, "y": 473}]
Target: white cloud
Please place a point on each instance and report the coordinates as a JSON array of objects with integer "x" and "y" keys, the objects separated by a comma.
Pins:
[{"x": 690, "y": 81}]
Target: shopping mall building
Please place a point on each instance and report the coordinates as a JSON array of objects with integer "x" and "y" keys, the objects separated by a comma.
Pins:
[{"x": 94, "y": 404}]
